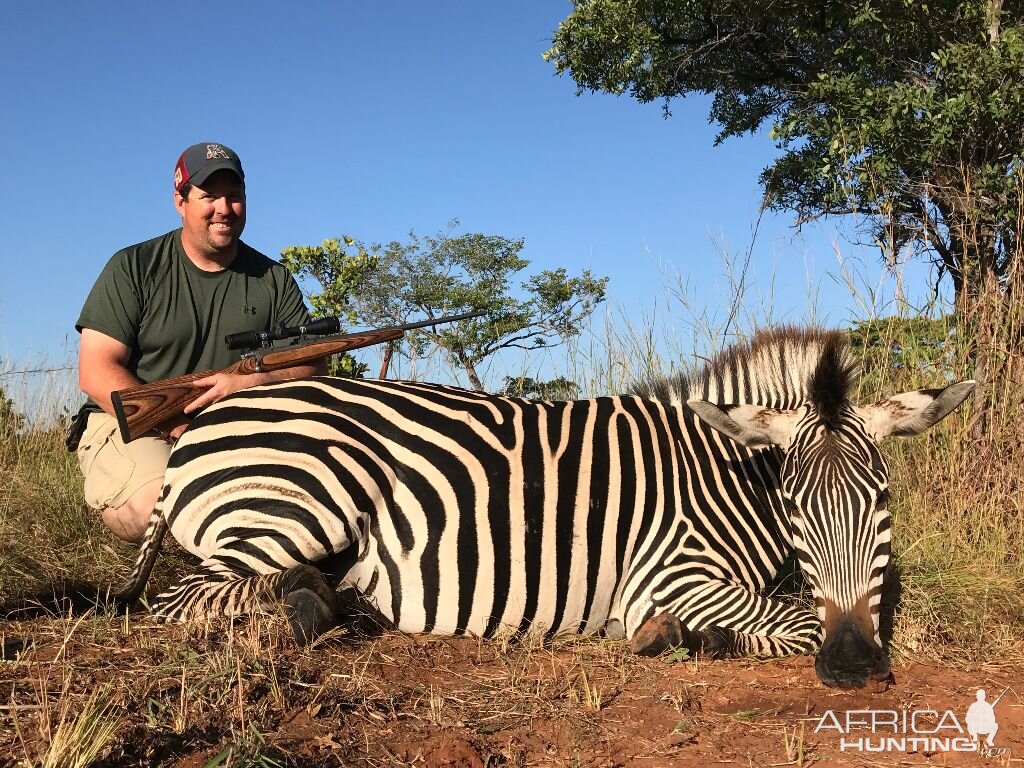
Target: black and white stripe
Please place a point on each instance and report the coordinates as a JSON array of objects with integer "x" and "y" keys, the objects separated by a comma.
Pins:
[{"x": 459, "y": 512}]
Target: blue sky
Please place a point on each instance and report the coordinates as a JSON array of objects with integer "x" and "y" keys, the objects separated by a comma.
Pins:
[{"x": 368, "y": 119}]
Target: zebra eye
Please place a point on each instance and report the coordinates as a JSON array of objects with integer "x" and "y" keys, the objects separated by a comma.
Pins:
[
  {"x": 883, "y": 499},
  {"x": 791, "y": 506}
]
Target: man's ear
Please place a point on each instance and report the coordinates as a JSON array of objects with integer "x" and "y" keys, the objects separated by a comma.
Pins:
[
  {"x": 912, "y": 413},
  {"x": 753, "y": 426}
]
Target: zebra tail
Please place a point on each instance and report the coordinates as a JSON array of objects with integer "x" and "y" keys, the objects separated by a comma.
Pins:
[{"x": 131, "y": 590}]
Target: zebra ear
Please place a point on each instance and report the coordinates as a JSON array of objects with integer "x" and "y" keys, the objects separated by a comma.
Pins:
[
  {"x": 753, "y": 426},
  {"x": 912, "y": 413}
]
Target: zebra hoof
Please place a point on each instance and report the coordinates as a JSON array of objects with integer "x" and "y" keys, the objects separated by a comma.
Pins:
[
  {"x": 664, "y": 632},
  {"x": 309, "y": 615},
  {"x": 304, "y": 577},
  {"x": 657, "y": 635}
]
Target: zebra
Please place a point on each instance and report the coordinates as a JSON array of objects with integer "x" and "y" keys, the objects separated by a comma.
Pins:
[{"x": 659, "y": 516}]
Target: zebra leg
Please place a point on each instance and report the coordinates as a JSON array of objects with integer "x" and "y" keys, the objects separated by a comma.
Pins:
[
  {"x": 723, "y": 620},
  {"x": 218, "y": 588}
]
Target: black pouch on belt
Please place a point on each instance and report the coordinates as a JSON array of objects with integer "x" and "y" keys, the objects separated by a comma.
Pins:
[{"x": 77, "y": 426}]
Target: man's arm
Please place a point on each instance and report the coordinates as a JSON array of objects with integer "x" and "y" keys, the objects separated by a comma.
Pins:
[
  {"x": 223, "y": 384},
  {"x": 102, "y": 368}
]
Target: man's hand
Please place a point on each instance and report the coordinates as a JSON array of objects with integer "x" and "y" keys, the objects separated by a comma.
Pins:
[{"x": 220, "y": 385}]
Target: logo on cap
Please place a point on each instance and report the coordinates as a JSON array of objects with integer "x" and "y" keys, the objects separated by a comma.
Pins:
[{"x": 216, "y": 152}]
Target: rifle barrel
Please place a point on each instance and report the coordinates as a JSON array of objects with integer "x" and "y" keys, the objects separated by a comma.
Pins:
[
  {"x": 439, "y": 320},
  {"x": 999, "y": 698}
]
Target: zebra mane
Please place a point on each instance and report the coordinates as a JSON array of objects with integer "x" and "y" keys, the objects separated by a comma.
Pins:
[{"x": 780, "y": 368}]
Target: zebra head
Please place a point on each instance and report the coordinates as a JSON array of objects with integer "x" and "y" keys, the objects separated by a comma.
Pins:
[{"x": 835, "y": 484}]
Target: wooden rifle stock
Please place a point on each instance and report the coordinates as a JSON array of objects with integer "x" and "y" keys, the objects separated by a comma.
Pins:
[{"x": 142, "y": 409}]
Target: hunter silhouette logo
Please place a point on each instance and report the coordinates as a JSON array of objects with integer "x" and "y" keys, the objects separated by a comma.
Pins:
[
  {"x": 981, "y": 718},
  {"x": 216, "y": 152}
]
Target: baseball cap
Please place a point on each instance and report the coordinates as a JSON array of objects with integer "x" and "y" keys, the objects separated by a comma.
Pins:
[{"x": 197, "y": 163}]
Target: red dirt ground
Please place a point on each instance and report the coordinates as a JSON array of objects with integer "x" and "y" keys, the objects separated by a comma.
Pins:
[{"x": 414, "y": 701}]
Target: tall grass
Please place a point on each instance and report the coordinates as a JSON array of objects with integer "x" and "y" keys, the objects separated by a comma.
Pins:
[
  {"x": 44, "y": 532},
  {"x": 49, "y": 539}
]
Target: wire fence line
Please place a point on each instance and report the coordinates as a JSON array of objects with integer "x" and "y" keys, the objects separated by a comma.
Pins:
[
  {"x": 6, "y": 374},
  {"x": 45, "y": 394}
]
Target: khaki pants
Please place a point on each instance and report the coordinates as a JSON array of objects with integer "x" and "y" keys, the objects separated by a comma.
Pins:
[{"x": 113, "y": 470}]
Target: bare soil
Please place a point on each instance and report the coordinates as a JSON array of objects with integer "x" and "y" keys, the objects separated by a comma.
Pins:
[{"x": 246, "y": 696}]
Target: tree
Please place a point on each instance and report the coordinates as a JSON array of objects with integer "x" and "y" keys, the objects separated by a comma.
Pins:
[
  {"x": 11, "y": 424},
  {"x": 901, "y": 352},
  {"x": 338, "y": 265},
  {"x": 908, "y": 114},
  {"x": 559, "y": 388},
  {"x": 447, "y": 274},
  {"x": 10, "y": 419}
]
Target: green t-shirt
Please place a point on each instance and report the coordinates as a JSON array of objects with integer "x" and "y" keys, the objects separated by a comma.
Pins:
[{"x": 174, "y": 316}]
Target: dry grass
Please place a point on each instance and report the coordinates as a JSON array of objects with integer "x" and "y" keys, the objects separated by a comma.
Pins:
[
  {"x": 957, "y": 504},
  {"x": 246, "y": 690},
  {"x": 124, "y": 694}
]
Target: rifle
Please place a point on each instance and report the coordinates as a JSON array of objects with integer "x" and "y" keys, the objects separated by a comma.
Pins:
[{"x": 146, "y": 407}]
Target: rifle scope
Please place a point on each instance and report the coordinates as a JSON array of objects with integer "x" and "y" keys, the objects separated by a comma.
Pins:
[{"x": 254, "y": 339}]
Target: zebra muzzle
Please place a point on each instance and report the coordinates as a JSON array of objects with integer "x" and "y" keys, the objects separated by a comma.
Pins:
[{"x": 850, "y": 659}]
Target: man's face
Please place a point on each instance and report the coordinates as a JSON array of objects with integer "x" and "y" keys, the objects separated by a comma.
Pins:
[{"x": 213, "y": 216}]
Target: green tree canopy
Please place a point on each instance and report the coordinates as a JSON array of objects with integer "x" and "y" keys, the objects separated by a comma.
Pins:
[
  {"x": 900, "y": 352},
  {"x": 338, "y": 265},
  {"x": 907, "y": 112},
  {"x": 445, "y": 274},
  {"x": 559, "y": 388}
]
